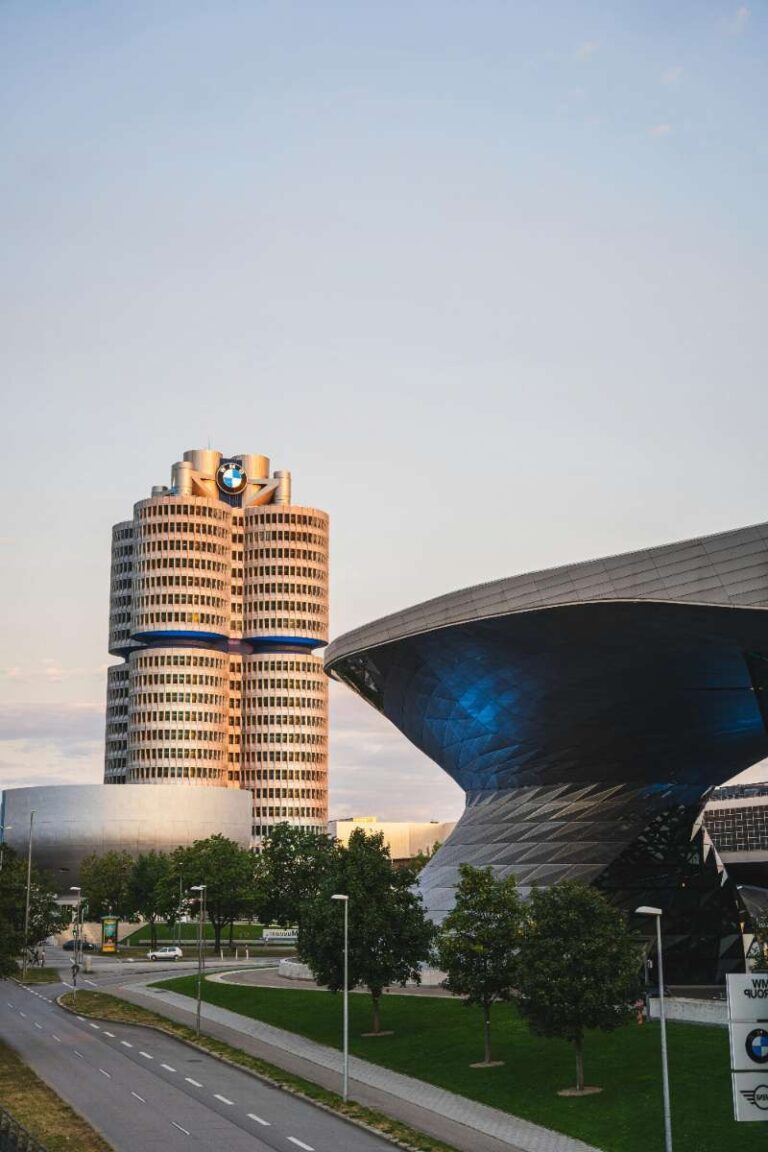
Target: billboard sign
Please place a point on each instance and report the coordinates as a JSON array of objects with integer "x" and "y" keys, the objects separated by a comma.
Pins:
[
  {"x": 109, "y": 933},
  {"x": 748, "y": 1032}
]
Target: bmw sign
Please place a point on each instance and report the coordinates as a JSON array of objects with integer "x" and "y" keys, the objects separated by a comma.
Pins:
[
  {"x": 231, "y": 477},
  {"x": 757, "y": 1045}
]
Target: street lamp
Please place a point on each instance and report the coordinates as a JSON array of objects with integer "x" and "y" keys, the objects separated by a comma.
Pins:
[
  {"x": 26, "y": 905},
  {"x": 646, "y": 910},
  {"x": 345, "y": 1080},
  {"x": 200, "y": 958},
  {"x": 3, "y": 829},
  {"x": 77, "y": 954}
]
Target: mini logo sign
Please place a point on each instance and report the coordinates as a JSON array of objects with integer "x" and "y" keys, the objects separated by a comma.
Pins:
[
  {"x": 230, "y": 477},
  {"x": 757, "y": 1045},
  {"x": 757, "y": 1096}
]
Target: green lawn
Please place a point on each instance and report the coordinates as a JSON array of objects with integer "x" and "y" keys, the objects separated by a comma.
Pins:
[
  {"x": 437, "y": 1040},
  {"x": 244, "y": 933}
]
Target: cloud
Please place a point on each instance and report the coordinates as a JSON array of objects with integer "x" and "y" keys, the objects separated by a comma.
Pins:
[
  {"x": 661, "y": 130},
  {"x": 587, "y": 49},
  {"x": 671, "y": 77}
]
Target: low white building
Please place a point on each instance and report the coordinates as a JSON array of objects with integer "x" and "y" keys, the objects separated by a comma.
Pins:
[{"x": 403, "y": 838}]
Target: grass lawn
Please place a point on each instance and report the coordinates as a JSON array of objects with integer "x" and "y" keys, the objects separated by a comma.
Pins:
[
  {"x": 35, "y": 1106},
  {"x": 40, "y": 975},
  {"x": 437, "y": 1040},
  {"x": 244, "y": 933}
]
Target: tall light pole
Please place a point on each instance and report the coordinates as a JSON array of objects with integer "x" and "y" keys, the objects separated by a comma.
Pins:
[
  {"x": 3, "y": 829},
  {"x": 77, "y": 953},
  {"x": 646, "y": 910},
  {"x": 200, "y": 959},
  {"x": 26, "y": 905},
  {"x": 345, "y": 1079}
]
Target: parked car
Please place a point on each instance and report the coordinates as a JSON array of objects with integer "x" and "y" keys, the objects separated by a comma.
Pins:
[
  {"x": 69, "y": 946},
  {"x": 168, "y": 953}
]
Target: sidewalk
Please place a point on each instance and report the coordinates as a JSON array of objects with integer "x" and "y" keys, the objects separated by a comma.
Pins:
[{"x": 462, "y": 1123}]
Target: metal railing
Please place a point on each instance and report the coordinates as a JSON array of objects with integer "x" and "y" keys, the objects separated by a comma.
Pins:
[{"x": 14, "y": 1136}]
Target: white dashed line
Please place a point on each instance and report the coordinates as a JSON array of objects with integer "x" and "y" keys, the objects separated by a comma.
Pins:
[
  {"x": 301, "y": 1144},
  {"x": 92, "y": 983},
  {"x": 38, "y": 1025},
  {"x": 126, "y": 1044},
  {"x": 138, "y": 1097},
  {"x": 92, "y": 1025},
  {"x": 22, "y": 1013},
  {"x": 222, "y": 1098},
  {"x": 179, "y": 1127},
  {"x": 110, "y": 1034},
  {"x": 107, "y": 1074},
  {"x": 9, "y": 1004},
  {"x": 196, "y": 1083},
  {"x": 258, "y": 1119},
  {"x": 77, "y": 1053},
  {"x": 146, "y": 1055},
  {"x": 56, "y": 1038},
  {"x": 81, "y": 1019},
  {"x": 167, "y": 1067}
]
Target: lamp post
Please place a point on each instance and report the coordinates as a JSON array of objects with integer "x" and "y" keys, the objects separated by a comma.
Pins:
[
  {"x": 200, "y": 958},
  {"x": 345, "y": 1078},
  {"x": 77, "y": 952},
  {"x": 646, "y": 910},
  {"x": 26, "y": 905},
  {"x": 3, "y": 829}
]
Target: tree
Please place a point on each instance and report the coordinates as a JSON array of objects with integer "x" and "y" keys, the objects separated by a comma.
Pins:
[
  {"x": 423, "y": 857},
  {"x": 578, "y": 966},
  {"x": 760, "y": 963},
  {"x": 150, "y": 891},
  {"x": 227, "y": 870},
  {"x": 105, "y": 882},
  {"x": 389, "y": 935},
  {"x": 289, "y": 872},
  {"x": 45, "y": 916},
  {"x": 479, "y": 941}
]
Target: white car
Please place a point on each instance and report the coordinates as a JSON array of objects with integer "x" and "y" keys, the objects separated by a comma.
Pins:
[{"x": 170, "y": 953}]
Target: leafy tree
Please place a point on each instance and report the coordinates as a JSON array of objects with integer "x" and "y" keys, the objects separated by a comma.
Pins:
[
  {"x": 479, "y": 941},
  {"x": 389, "y": 935},
  {"x": 227, "y": 870},
  {"x": 423, "y": 857},
  {"x": 45, "y": 916},
  {"x": 150, "y": 891},
  {"x": 289, "y": 872},
  {"x": 105, "y": 883},
  {"x": 760, "y": 963},
  {"x": 578, "y": 966}
]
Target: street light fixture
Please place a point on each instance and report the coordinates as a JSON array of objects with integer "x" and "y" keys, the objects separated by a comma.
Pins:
[
  {"x": 200, "y": 957},
  {"x": 345, "y": 1079},
  {"x": 647, "y": 910},
  {"x": 77, "y": 954},
  {"x": 26, "y": 905}
]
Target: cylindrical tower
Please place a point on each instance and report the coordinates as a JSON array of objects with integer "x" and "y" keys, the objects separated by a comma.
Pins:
[{"x": 219, "y": 599}]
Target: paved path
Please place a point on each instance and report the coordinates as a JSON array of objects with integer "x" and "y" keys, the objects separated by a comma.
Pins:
[
  {"x": 147, "y": 1092},
  {"x": 462, "y": 1123}
]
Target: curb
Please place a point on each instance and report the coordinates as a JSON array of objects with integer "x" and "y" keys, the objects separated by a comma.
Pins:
[{"x": 256, "y": 1075}]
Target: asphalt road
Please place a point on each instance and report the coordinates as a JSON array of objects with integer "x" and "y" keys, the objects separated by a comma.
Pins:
[{"x": 143, "y": 1090}]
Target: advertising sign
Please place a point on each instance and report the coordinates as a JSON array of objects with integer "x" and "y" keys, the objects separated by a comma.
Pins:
[
  {"x": 109, "y": 934},
  {"x": 748, "y": 1031}
]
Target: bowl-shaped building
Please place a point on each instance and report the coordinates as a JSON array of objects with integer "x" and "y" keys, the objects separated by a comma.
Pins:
[{"x": 587, "y": 711}]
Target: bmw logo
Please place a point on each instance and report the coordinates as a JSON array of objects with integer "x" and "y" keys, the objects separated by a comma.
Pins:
[
  {"x": 230, "y": 477},
  {"x": 757, "y": 1045}
]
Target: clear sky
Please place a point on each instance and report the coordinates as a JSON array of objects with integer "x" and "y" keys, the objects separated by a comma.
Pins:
[{"x": 489, "y": 277}]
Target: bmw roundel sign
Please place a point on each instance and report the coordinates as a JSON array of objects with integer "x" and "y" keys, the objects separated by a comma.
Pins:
[
  {"x": 231, "y": 477},
  {"x": 757, "y": 1045}
]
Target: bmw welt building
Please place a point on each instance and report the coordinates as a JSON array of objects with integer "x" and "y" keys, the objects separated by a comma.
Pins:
[{"x": 587, "y": 711}]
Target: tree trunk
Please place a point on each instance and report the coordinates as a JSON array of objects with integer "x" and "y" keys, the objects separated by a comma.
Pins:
[
  {"x": 376, "y": 1016},
  {"x": 152, "y": 933},
  {"x": 487, "y": 1032},
  {"x": 578, "y": 1045},
  {"x": 231, "y": 933},
  {"x": 217, "y": 926}
]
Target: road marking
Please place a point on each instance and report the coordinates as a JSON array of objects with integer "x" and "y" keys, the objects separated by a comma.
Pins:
[
  {"x": 38, "y": 1025},
  {"x": 9, "y": 1004},
  {"x": 179, "y": 1127},
  {"x": 196, "y": 1083},
  {"x": 301, "y": 1144},
  {"x": 110, "y": 1034},
  {"x": 222, "y": 1098},
  {"x": 56, "y": 1038},
  {"x": 146, "y": 1055},
  {"x": 126, "y": 1044},
  {"x": 138, "y": 1097},
  {"x": 77, "y": 1053},
  {"x": 258, "y": 1119},
  {"x": 107, "y": 1074},
  {"x": 91, "y": 982},
  {"x": 22, "y": 1013},
  {"x": 167, "y": 1067},
  {"x": 92, "y": 1025},
  {"x": 81, "y": 1019}
]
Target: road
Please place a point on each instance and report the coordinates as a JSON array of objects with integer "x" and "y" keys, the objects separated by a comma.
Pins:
[{"x": 143, "y": 1090}]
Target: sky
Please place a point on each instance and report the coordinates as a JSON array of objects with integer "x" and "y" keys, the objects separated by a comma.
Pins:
[{"x": 490, "y": 278}]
